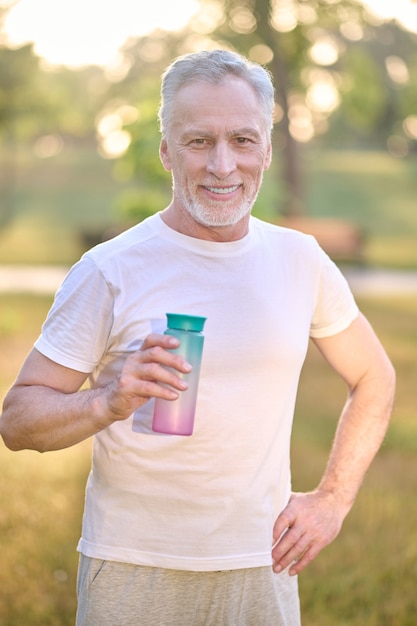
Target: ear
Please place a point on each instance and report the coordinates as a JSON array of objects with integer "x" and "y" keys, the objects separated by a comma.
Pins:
[
  {"x": 164, "y": 154},
  {"x": 268, "y": 157}
]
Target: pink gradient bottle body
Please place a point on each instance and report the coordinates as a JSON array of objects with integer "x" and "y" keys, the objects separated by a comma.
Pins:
[{"x": 176, "y": 417}]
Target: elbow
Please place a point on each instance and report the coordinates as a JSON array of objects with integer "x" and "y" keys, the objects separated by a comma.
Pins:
[
  {"x": 11, "y": 427},
  {"x": 9, "y": 437},
  {"x": 15, "y": 438},
  {"x": 7, "y": 432},
  {"x": 10, "y": 443},
  {"x": 16, "y": 444}
]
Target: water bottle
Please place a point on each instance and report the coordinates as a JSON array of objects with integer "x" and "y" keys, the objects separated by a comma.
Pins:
[{"x": 176, "y": 417}]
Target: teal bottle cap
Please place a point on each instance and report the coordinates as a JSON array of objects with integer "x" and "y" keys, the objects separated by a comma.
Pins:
[{"x": 186, "y": 322}]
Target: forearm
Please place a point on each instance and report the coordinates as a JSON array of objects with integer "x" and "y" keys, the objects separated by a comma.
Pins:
[
  {"x": 43, "y": 419},
  {"x": 45, "y": 409},
  {"x": 360, "y": 433},
  {"x": 312, "y": 520}
]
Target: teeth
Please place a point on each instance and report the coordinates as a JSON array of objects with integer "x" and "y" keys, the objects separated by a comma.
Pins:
[{"x": 223, "y": 190}]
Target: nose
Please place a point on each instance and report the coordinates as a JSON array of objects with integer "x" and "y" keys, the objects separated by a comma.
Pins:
[{"x": 222, "y": 160}]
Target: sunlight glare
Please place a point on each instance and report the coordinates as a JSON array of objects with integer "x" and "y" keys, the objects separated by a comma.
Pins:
[
  {"x": 48, "y": 146},
  {"x": 284, "y": 16},
  {"x": 301, "y": 121},
  {"x": 324, "y": 51},
  {"x": 90, "y": 32},
  {"x": 410, "y": 126},
  {"x": 397, "y": 70},
  {"x": 323, "y": 96},
  {"x": 115, "y": 144},
  {"x": 403, "y": 11}
]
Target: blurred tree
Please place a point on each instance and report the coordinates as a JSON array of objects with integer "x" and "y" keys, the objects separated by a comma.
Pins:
[
  {"x": 378, "y": 90},
  {"x": 69, "y": 101},
  {"x": 342, "y": 79},
  {"x": 140, "y": 87},
  {"x": 329, "y": 62},
  {"x": 281, "y": 36},
  {"x": 42, "y": 108},
  {"x": 18, "y": 69},
  {"x": 329, "y": 59}
]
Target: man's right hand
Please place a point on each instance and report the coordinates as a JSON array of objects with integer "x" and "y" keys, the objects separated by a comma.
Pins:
[
  {"x": 46, "y": 410},
  {"x": 147, "y": 373}
]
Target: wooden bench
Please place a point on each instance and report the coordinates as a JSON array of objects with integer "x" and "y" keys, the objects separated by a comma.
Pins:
[{"x": 342, "y": 240}]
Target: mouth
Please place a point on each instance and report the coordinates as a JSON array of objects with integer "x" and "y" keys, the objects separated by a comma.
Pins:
[{"x": 222, "y": 191}]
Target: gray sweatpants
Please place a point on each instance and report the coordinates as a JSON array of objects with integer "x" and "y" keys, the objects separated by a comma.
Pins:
[{"x": 119, "y": 594}]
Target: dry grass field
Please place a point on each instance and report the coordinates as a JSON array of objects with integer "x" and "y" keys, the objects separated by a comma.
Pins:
[{"x": 366, "y": 577}]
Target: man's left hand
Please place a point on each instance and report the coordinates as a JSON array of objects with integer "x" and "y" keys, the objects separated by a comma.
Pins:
[{"x": 308, "y": 523}]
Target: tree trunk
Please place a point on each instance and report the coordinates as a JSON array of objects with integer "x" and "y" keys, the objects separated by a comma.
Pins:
[{"x": 293, "y": 204}]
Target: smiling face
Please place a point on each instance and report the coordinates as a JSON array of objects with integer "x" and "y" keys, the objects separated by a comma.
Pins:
[{"x": 217, "y": 147}]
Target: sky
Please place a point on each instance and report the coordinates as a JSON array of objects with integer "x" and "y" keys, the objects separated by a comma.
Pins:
[{"x": 82, "y": 32}]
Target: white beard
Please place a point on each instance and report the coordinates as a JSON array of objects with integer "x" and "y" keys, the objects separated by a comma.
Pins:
[{"x": 216, "y": 214}]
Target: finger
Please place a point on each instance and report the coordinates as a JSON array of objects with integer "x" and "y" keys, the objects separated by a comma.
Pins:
[
  {"x": 146, "y": 377},
  {"x": 168, "y": 342},
  {"x": 303, "y": 560},
  {"x": 147, "y": 381},
  {"x": 165, "y": 376},
  {"x": 285, "y": 521},
  {"x": 289, "y": 550},
  {"x": 158, "y": 355}
]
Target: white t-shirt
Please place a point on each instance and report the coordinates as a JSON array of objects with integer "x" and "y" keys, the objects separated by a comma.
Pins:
[{"x": 208, "y": 501}]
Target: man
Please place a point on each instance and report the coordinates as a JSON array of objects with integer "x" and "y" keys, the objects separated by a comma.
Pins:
[{"x": 202, "y": 530}]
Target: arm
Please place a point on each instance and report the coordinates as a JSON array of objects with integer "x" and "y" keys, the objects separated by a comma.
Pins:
[
  {"x": 46, "y": 410},
  {"x": 312, "y": 520}
]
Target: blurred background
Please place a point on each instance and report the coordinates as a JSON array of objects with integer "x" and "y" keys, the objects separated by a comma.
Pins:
[{"x": 79, "y": 92}]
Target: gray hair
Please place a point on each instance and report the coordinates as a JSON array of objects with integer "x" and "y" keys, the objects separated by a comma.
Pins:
[{"x": 213, "y": 66}]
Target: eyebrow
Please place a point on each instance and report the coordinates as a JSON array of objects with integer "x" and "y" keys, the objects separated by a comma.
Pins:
[{"x": 247, "y": 131}]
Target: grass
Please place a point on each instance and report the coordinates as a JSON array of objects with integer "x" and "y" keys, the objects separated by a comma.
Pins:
[
  {"x": 57, "y": 200},
  {"x": 42, "y": 501},
  {"x": 366, "y": 576},
  {"x": 377, "y": 192},
  {"x": 41, "y": 498}
]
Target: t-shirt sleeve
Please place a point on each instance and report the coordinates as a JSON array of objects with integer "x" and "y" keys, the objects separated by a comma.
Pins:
[
  {"x": 335, "y": 307},
  {"x": 77, "y": 329}
]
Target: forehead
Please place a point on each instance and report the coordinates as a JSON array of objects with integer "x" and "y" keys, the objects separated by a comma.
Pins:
[{"x": 231, "y": 103}]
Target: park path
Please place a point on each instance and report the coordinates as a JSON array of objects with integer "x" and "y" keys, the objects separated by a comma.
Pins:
[{"x": 363, "y": 281}]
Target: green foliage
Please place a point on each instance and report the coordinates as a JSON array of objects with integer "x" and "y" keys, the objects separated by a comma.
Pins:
[
  {"x": 143, "y": 152},
  {"x": 70, "y": 101},
  {"x": 35, "y": 101},
  {"x": 363, "y": 92},
  {"x": 373, "y": 189},
  {"x": 134, "y": 205},
  {"x": 59, "y": 199},
  {"x": 407, "y": 104},
  {"x": 18, "y": 69}
]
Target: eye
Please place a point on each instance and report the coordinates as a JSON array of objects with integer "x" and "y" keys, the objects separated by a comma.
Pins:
[
  {"x": 198, "y": 141},
  {"x": 243, "y": 140}
]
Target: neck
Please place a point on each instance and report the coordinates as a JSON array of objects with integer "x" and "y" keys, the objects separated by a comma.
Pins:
[{"x": 182, "y": 222}]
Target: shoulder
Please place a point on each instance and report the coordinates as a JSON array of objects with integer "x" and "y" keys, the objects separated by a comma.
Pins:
[
  {"x": 122, "y": 243},
  {"x": 286, "y": 240}
]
